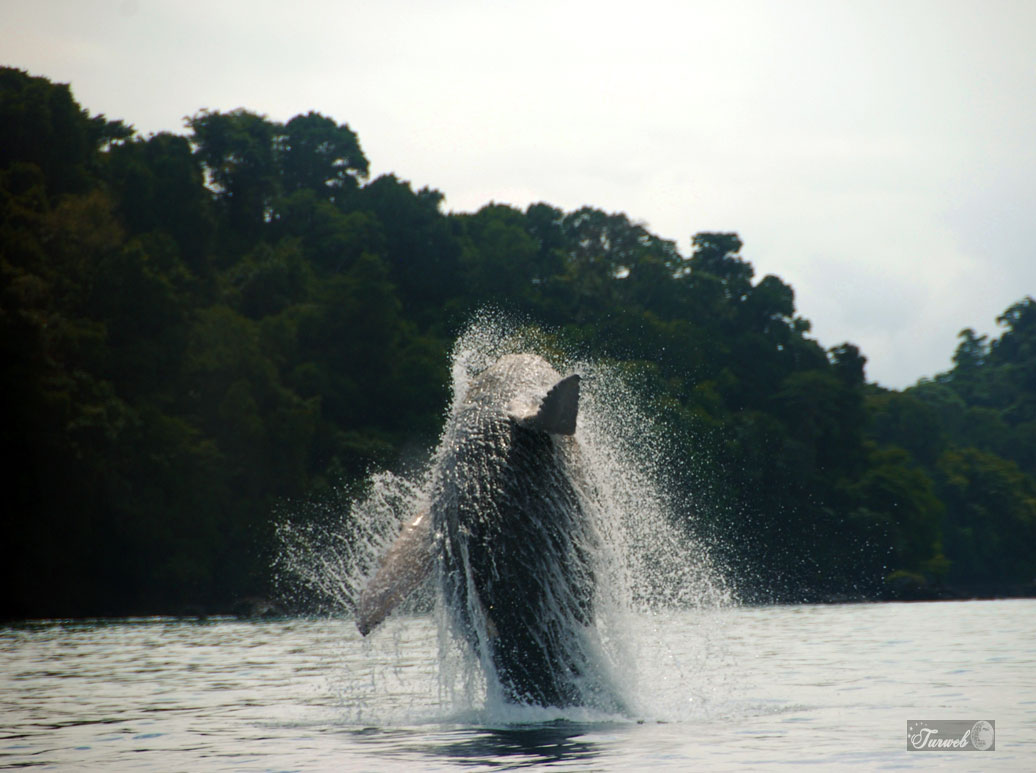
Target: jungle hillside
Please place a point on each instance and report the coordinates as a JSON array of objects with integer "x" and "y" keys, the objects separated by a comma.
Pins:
[{"x": 198, "y": 328}]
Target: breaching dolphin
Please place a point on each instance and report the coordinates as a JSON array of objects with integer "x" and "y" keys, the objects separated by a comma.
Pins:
[{"x": 508, "y": 533}]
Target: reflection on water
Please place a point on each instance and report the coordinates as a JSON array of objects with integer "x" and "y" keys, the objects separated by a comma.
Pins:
[
  {"x": 513, "y": 747},
  {"x": 526, "y": 745},
  {"x": 741, "y": 688}
]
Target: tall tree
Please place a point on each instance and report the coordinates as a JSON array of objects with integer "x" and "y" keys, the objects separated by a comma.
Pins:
[
  {"x": 41, "y": 124},
  {"x": 237, "y": 150},
  {"x": 318, "y": 155}
]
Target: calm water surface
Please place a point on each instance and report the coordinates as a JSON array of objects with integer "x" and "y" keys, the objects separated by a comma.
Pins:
[{"x": 731, "y": 689}]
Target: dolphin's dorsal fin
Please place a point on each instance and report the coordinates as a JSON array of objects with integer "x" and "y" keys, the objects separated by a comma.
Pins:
[{"x": 557, "y": 413}]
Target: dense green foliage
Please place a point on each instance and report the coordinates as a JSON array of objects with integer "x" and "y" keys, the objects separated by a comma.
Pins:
[{"x": 197, "y": 327}]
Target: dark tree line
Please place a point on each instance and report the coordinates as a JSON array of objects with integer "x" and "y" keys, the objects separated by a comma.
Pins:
[{"x": 197, "y": 327}]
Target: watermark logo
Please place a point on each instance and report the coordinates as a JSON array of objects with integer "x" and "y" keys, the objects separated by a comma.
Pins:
[{"x": 941, "y": 735}]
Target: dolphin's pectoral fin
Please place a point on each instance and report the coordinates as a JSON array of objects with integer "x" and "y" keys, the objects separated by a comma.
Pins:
[
  {"x": 557, "y": 413},
  {"x": 405, "y": 566}
]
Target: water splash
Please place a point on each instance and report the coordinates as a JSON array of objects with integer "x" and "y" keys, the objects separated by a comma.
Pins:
[{"x": 644, "y": 562}]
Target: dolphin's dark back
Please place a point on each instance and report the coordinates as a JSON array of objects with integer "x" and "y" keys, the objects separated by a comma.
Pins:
[{"x": 516, "y": 541}]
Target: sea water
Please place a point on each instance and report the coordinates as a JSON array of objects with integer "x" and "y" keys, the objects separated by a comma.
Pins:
[{"x": 732, "y": 688}]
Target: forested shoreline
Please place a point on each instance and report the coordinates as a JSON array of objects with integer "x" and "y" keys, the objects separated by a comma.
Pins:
[{"x": 198, "y": 328}]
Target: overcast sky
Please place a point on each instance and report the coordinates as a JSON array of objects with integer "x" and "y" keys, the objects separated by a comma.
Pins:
[{"x": 878, "y": 156}]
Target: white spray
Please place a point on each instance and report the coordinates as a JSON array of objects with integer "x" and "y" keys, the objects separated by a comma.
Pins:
[{"x": 644, "y": 563}]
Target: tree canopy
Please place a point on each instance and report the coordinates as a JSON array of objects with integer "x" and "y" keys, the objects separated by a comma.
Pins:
[{"x": 195, "y": 327}]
